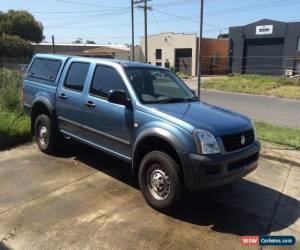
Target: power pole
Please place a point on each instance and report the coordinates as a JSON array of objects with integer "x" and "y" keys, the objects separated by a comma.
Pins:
[
  {"x": 199, "y": 47},
  {"x": 146, "y": 8},
  {"x": 53, "y": 45},
  {"x": 132, "y": 28},
  {"x": 146, "y": 30}
]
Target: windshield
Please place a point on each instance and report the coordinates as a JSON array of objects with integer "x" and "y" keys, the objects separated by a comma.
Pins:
[{"x": 158, "y": 86}]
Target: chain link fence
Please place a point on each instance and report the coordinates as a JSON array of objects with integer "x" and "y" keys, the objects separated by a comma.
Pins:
[{"x": 17, "y": 64}]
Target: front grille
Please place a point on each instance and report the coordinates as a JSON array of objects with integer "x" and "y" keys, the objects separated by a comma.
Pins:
[
  {"x": 234, "y": 142},
  {"x": 241, "y": 163}
]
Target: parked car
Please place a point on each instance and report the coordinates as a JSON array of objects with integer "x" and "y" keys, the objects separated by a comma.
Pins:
[{"x": 144, "y": 115}]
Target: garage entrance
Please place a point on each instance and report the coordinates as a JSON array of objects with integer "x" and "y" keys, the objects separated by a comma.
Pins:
[
  {"x": 263, "y": 56},
  {"x": 183, "y": 61}
]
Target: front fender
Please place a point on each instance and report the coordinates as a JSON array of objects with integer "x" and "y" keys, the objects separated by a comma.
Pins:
[
  {"x": 162, "y": 133},
  {"x": 180, "y": 139}
]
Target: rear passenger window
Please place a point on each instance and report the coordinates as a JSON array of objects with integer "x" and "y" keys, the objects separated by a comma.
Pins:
[
  {"x": 46, "y": 69},
  {"x": 105, "y": 79},
  {"x": 76, "y": 76}
]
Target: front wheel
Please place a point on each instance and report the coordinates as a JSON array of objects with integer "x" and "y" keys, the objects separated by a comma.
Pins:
[
  {"x": 159, "y": 181},
  {"x": 45, "y": 133}
]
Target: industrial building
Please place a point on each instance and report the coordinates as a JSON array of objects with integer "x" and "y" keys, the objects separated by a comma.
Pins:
[
  {"x": 121, "y": 52},
  {"x": 180, "y": 52},
  {"x": 265, "y": 47}
]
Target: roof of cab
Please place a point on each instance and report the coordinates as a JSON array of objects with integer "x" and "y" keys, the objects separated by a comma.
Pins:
[{"x": 127, "y": 64}]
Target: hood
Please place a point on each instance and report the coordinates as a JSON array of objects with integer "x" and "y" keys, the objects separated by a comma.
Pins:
[{"x": 204, "y": 116}]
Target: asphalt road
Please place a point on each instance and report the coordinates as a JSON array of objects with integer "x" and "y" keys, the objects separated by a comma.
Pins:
[
  {"x": 84, "y": 199},
  {"x": 274, "y": 110}
]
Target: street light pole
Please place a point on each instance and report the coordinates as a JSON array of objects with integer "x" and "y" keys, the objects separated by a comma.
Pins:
[{"x": 199, "y": 47}]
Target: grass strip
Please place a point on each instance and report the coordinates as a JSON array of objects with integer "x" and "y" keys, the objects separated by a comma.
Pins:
[
  {"x": 277, "y": 134},
  {"x": 14, "y": 129},
  {"x": 255, "y": 84}
]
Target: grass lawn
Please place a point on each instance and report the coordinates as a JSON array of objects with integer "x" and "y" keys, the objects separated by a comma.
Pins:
[
  {"x": 14, "y": 128},
  {"x": 280, "y": 135},
  {"x": 255, "y": 84}
]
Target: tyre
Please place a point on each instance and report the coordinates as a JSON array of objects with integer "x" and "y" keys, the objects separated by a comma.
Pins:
[
  {"x": 159, "y": 181},
  {"x": 45, "y": 133}
]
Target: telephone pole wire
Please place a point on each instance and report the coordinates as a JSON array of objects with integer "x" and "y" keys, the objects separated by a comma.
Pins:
[{"x": 200, "y": 48}]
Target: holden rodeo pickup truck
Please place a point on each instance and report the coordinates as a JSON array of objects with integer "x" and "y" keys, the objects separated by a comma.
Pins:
[{"x": 142, "y": 114}]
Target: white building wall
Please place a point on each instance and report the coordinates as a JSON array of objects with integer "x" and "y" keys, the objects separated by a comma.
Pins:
[{"x": 168, "y": 42}]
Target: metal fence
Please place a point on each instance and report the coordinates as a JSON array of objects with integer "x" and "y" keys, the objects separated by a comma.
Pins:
[
  {"x": 18, "y": 64},
  {"x": 218, "y": 65}
]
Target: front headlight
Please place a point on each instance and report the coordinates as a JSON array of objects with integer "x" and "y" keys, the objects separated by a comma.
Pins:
[
  {"x": 254, "y": 130},
  {"x": 206, "y": 142}
]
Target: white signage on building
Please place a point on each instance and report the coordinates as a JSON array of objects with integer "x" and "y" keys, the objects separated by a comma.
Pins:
[
  {"x": 264, "y": 30},
  {"x": 288, "y": 72}
]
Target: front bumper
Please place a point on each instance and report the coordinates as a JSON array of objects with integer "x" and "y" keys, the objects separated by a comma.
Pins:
[{"x": 203, "y": 171}]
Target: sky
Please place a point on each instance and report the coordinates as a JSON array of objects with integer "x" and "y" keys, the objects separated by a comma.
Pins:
[{"x": 109, "y": 21}]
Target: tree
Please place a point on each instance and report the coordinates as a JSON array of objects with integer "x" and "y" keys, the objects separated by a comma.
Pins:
[
  {"x": 15, "y": 47},
  {"x": 223, "y": 36},
  {"x": 78, "y": 41},
  {"x": 22, "y": 24},
  {"x": 89, "y": 42}
]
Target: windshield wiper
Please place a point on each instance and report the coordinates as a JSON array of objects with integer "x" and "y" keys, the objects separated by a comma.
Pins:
[
  {"x": 173, "y": 99},
  {"x": 178, "y": 99},
  {"x": 193, "y": 98}
]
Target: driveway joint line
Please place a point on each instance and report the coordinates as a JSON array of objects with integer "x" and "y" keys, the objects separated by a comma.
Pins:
[{"x": 278, "y": 202}]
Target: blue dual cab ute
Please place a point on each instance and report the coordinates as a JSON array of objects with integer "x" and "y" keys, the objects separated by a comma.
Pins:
[{"x": 144, "y": 115}]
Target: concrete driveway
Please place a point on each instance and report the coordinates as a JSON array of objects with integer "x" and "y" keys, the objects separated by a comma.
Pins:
[{"x": 84, "y": 199}]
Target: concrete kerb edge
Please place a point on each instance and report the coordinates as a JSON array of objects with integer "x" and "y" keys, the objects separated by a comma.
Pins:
[{"x": 279, "y": 159}]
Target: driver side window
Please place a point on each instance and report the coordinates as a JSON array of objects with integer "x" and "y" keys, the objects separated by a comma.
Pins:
[{"x": 105, "y": 79}]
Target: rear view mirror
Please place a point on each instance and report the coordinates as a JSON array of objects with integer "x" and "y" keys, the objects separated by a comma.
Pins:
[{"x": 118, "y": 97}]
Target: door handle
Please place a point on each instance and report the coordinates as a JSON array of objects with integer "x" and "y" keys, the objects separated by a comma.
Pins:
[
  {"x": 63, "y": 96},
  {"x": 90, "y": 104}
]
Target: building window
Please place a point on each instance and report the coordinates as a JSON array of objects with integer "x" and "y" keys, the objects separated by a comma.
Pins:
[
  {"x": 158, "y": 54},
  {"x": 215, "y": 60},
  {"x": 158, "y": 63},
  {"x": 298, "y": 44}
]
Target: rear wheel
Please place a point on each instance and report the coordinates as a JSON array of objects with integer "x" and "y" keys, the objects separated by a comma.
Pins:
[
  {"x": 45, "y": 133},
  {"x": 159, "y": 181}
]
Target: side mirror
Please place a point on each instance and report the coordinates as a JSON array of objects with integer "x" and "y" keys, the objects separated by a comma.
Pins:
[{"x": 118, "y": 97}]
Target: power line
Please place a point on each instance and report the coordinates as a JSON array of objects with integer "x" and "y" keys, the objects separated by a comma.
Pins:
[
  {"x": 187, "y": 18},
  {"x": 92, "y": 18},
  {"x": 156, "y": 21},
  {"x": 87, "y": 4},
  {"x": 250, "y": 8}
]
